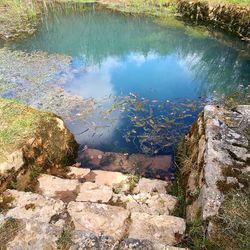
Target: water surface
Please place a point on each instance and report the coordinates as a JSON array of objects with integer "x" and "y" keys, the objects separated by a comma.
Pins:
[{"x": 146, "y": 81}]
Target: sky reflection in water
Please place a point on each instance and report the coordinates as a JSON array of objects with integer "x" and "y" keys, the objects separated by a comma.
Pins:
[{"x": 113, "y": 55}]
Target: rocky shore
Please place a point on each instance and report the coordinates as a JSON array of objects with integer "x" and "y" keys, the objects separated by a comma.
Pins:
[{"x": 108, "y": 204}]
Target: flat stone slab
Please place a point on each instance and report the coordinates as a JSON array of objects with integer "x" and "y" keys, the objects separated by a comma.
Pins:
[
  {"x": 108, "y": 178},
  {"x": 151, "y": 185},
  {"x": 77, "y": 173},
  {"x": 31, "y": 206},
  {"x": 94, "y": 193},
  {"x": 156, "y": 204},
  {"x": 162, "y": 229},
  {"x": 99, "y": 218},
  {"x": 55, "y": 187}
]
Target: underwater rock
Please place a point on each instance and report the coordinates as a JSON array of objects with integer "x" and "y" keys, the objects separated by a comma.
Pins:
[{"x": 144, "y": 165}]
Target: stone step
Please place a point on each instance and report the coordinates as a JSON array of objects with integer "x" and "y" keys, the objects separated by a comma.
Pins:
[
  {"x": 111, "y": 188},
  {"x": 160, "y": 167},
  {"x": 31, "y": 219},
  {"x": 163, "y": 229}
]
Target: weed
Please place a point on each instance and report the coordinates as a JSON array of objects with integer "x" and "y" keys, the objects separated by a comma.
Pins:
[
  {"x": 35, "y": 172},
  {"x": 65, "y": 239}
]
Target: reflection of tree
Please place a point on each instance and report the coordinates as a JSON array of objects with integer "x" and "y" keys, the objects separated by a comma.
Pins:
[{"x": 217, "y": 67}]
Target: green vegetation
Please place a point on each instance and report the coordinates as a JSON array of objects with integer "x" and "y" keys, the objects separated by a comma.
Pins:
[
  {"x": 17, "y": 124},
  {"x": 233, "y": 224},
  {"x": 35, "y": 172},
  {"x": 65, "y": 239},
  {"x": 23, "y": 9}
]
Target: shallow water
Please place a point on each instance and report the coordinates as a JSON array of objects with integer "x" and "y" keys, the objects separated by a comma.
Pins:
[{"x": 145, "y": 82}]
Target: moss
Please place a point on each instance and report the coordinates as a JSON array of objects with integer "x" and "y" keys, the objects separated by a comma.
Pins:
[{"x": 132, "y": 181}]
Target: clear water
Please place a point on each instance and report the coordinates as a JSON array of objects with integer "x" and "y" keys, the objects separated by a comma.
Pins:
[{"x": 135, "y": 68}]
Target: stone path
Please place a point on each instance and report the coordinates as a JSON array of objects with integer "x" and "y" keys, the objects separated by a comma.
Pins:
[{"x": 92, "y": 209}]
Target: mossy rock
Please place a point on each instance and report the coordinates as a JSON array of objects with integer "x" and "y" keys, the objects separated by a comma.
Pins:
[{"x": 31, "y": 139}]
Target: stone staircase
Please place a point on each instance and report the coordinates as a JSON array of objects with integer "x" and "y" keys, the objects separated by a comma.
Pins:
[{"x": 92, "y": 209}]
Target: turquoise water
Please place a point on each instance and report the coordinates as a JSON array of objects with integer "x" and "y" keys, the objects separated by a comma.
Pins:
[{"x": 148, "y": 80}]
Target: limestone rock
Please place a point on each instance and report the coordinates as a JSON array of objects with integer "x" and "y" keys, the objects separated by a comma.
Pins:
[
  {"x": 35, "y": 235},
  {"x": 109, "y": 178},
  {"x": 89, "y": 241},
  {"x": 56, "y": 187},
  {"x": 149, "y": 186},
  {"x": 162, "y": 229},
  {"x": 77, "y": 173},
  {"x": 99, "y": 218},
  {"x": 31, "y": 206},
  {"x": 156, "y": 204},
  {"x": 94, "y": 193},
  {"x": 135, "y": 244}
]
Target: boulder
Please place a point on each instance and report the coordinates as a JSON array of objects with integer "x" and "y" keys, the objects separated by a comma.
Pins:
[
  {"x": 157, "y": 204},
  {"x": 31, "y": 139}
]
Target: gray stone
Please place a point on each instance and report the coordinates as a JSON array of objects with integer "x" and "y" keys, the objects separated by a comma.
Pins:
[
  {"x": 94, "y": 193},
  {"x": 162, "y": 229},
  {"x": 99, "y": 218}
]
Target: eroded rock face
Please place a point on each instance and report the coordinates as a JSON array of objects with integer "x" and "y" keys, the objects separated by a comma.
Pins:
[
  {"x": 230, "y": 17},
  {"x": 214, "y": 160}
]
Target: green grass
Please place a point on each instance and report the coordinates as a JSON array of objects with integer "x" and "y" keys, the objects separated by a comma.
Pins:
[
  {"x": 20, "y": 8},
  {"x": 18, "y": 124}
]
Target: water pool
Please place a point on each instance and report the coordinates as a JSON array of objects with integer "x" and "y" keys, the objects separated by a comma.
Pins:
[{"x": 134, "y": 84}]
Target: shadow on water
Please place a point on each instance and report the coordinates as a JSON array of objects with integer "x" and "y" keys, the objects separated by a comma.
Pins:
[{"x": 145, "y": 81}]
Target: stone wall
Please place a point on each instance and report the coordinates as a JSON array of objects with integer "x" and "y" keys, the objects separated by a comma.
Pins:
[
  {"x": 233, "y": 18},
  {"x": 214, "y": 159}
]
